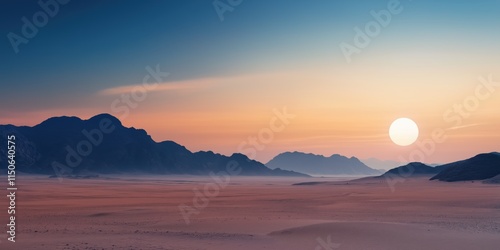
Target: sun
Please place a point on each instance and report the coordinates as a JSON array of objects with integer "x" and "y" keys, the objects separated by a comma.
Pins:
[{"x": 403, "y": 132}]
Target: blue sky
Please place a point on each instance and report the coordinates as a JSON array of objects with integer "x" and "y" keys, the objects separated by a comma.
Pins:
[
  {"x": 96, "y": 44},
  {"x": 91, "y": 46}
]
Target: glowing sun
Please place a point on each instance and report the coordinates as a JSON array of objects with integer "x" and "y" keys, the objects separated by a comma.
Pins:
[{"x": 403, "y": 131}]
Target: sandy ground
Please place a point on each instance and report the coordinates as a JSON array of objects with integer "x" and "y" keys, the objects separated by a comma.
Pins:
[{"x": 253, "y": 213}]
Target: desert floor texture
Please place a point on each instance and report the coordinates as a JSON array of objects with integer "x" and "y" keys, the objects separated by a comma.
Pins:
[{"x": 142, "y": 212}]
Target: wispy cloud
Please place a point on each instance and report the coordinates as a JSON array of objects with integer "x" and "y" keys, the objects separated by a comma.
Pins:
[
  {"x": 466, "y": 126},
  {"x": 208, "y": 82},
  {"x": 165, "y": 86}
]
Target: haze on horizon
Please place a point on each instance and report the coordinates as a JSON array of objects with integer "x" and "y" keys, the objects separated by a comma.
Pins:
[{"x": 226, "y": 77}]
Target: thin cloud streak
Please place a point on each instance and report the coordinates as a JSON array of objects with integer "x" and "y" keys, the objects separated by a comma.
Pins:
[
  {"x": 204, "y": 83},
  {"x": 165, "y": 86},
  {"x": 466, "y": 126}
]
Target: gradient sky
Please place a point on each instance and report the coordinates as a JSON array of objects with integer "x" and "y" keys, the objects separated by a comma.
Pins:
[{"x": 226, "y": 77}]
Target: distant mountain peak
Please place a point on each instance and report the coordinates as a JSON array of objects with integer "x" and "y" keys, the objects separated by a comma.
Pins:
[
  {"x": 110, "y": 117},
  {"x": 240, "y": 156},
  {"x": 309, "y": 163},
  {"x": 413, "y": 169},
  {"x": 60, "y": 120},
  {"x": 416, "y": 163},
  {"x": 295, "y": 153},
  {"x": 63, "y": 121}
]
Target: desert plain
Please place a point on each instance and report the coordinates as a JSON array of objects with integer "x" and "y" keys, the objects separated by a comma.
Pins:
[{"x": 142, "y": 212}]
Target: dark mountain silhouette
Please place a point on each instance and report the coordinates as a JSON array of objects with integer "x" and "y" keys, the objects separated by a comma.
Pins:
[
  {"x": 494, "y": 180},
  {"x": 386, "y": 165},
  {"x": 479, "y": 167},
  {"x": 101, "y": 144},
  {"x": 320, "y": 165},
  {"x": 414, "y": 169}
]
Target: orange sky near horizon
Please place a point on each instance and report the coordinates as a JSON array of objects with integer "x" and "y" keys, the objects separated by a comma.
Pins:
[{"x": 343, "y": 110}]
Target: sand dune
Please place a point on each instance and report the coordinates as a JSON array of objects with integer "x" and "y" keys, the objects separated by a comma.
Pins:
[
  {"x": 379, "y": 235},
  {"x": 142, "y": 212}
]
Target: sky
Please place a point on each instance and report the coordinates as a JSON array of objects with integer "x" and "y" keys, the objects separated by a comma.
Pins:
[{"x": 224, "y": 69}]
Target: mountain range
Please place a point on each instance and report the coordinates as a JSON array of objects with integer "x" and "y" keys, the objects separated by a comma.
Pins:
[
  {"x": 480, "y": 167},
  {"x": 101, "y": 144},
  {"x": 415, "y": 168},
  {"x": 320, "y": 165}
]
